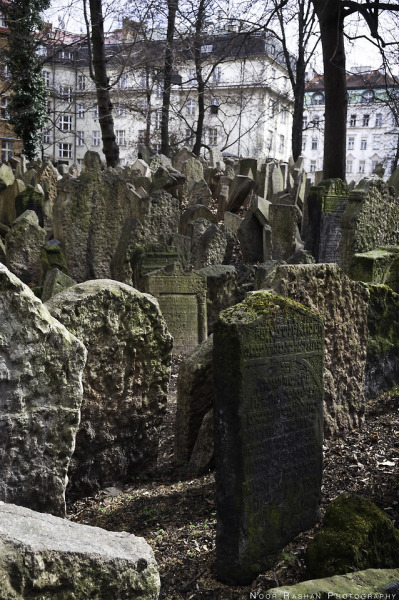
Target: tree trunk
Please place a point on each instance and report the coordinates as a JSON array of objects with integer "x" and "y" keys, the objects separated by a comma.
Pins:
[
  {"x": 297, "y": 118},
  {"x": 110, "y": 147},
  {"x": 332, "y": 40},
  {"x": 167, "y": 77}
]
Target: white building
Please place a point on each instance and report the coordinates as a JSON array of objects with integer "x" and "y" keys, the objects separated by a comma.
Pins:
[
  {"x": 372, "y": 132},
  {"x": 247, "y": 96}
]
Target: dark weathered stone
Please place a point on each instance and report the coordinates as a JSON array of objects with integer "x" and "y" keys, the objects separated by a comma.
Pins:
[
  {"x": 268, "y": 381},
  {"x": 379, "y": 266},
  {"x": 239, "y": 193},
  {"x": 283, "y": 220},
  {"x": 211, "y": 247},
  {"x": 55, "y": 282},
  {"x": 192, "y": 213},
  {"x": 182, "y": 300},
  {"x": 194, "y": 398},
  {"x": 250, "y": 236},
  {"x": 202, "y": 457},
  {"x": 41, "y": 366},
  {"x": 125, "y": 381},
  {"x": 221, "y": 284}
]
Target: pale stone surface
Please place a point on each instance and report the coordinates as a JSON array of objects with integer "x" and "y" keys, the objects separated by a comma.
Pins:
[
  {"x": 125, "y": 381},
  {"x": 7, "y": 201},
  {"x": 54, "y": 559},
  {"x": 360, "y": 584},
  {"x": 343, "y": 304},
  {"x": 211, "y": 247},
  {"x": 55, "y": 282},
  {"x": 24, "y": 242},
  {"x": 197, "y": 211},
  {"x": 41, "y": 366}
]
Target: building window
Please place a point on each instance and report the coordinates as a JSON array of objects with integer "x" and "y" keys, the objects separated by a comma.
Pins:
[
  {"x": 206, "y": 49},
  {"x": 66, "y": 93},
  {"x": 120, "y": 137},
  {"x": 46, "y": 136},
  {"x": 190, "y": 136},
  {"x": 47, "y": 78},
  {"x": 81, "y": 82},
  {"x": 120, "y": 110},
  {"x": 6, "y": 150},
  {"x": 351, "y": 143},
  {"x": 48, "y": 107},
  {"x": 3, "y": 20},
  {"x": 65, "y": 54},
  {"x": 283, "y": 115},
  {"x": 363, "y": 144},
  {"x": 314, "y": 144},
  {"x": 273, "y": 74},
  {"x": 269, "y": 139},
  {"x": 122, "y": 82},
  {"x": 272, "y": 50},
  {"x": 374, "y": 164},
  {"x": 271, "y": 108},
  {"x": 64, "y": 150},
  {"x": 190, "y": 107},
  {"x": 368, "y": 96},
  {"x": 217, "y": 75},
  {"x": 304, "y": 122},
  {"x": 213, "y": 136},
  {"x": 378, "y": 120},
  {"x": 65, "y": 123},
  {"x": 362, "y": 166},
  {"x": 352, "y": 122},
  {"x": 96, "y": 113},
  {"x": 316, "y": 122},
  {"x": 143, "y": 80},
  {"x": 192, "y": 75},
  {"x": 95, "y": 138},
  {"x": 143, "y": 106},
  {"x": 376, "y": 142},
  {"x": 159, "y": 90},
  {"x": 282, "y": 144},
  {"x": 303, "y": 143},
  {"x": 318, "y": 98},
  {"x": 158, "y": 119},
  {"x": 80, "y": 138},
  {"x": 349, "y": 166},
  {"x": 366, "y": 120},
  {"x": 80, "y": 111},
  {"x": 41, "y": 50},
  {"x": 4, "y": 107},
  {"x": 312, "y": 166},
  {"x": 214, "y": 106}
]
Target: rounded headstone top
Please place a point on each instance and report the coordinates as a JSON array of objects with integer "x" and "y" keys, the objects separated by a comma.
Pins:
[{"x": 92, "y": 161}]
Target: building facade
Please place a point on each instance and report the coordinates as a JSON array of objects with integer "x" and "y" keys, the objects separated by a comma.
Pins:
[
  {"x": 247, "y": 96},
  {"x": 372, "y": 132}
]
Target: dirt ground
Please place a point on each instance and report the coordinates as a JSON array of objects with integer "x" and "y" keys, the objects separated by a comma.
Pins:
[{"x": 177, "y": 516}]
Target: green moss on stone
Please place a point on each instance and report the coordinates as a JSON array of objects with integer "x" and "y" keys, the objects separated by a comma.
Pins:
[
  {"x": 30, "y": 199},
  {"x": 356, "y": 535}
]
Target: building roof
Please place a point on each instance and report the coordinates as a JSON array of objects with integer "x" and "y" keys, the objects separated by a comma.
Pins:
[{"x": 356, "y": 81}]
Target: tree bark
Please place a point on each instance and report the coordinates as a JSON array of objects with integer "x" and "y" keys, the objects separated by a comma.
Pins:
[
  {"x": 110, "y": 148},
  {"x": 336, "y": 101},
  {"x": 167, "y": 77}
]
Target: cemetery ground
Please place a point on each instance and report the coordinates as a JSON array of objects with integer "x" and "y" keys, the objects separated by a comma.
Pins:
[{"x": 177, "y": 515}]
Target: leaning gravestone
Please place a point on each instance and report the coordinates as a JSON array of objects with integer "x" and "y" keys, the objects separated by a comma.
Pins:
[
  {"x": 325, "y": 205},
  {"x": 41, "y": 366},
  {"x": 268, "y": 381},
  {"x": 24, "y": 242},
  {"x": 371, "y": 219},
  {"x": 182, "y": 300},
  {"x": 45, "y": 557},
  {"x": 125, "y": 381}
]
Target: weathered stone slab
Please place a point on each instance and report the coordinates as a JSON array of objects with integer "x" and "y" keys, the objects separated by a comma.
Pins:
[
  {"x": 239, "y": 192},
  {"x": 370, "y": 220},
  {"x": 232, "y": 222},
  {"x": 7, "y": 201},
  {"x": 283, "y": 220},
  {"x": 379, "y": 266},
  {"x": 325, "y": 204},
  {"x": 194, "y": 398},
  {"x": 268, "y": 381},
  {"x": 125, "y": 381},
  {"x": 260, "y": 208},
  {"x": 211, "y": 247},
  {"x": 202, "y": 457},
  {"x": 41, "y": 366},
  {"x": 250, "y": 236},
  {"x": 193, "y": 170},
  {"x": 182, "y": 300},
  {"x": 343, "y": 304},
  {"x": 197, "y": 211},
  {"x": 58, "y": 559},
  {"x": 55, "y": 282},
  {"x": 24, "y": 243}
]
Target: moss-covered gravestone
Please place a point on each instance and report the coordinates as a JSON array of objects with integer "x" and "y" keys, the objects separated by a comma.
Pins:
[
  {"x": 268, "y": 380},
  {"x": 182, "y": 300}
]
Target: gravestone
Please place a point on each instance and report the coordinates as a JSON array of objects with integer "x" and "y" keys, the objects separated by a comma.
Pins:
[
  {"x": 211, "y": 247},
  {"x": 325, "y": 205},
  {"x": 125, "y": 381},
  {"x": 55, "y": 282},
  {"x": 250, "y": 236},
  {"x": 379, "y": 266},
  {"x": 283, "y": 219},
  {"x": 24, "y": 242},
  {"x": 370, "y": 220},
  {"x": 182, "y": 301},
  {"x": 240, "y": 191},
  {"x": 268, "y": 382},
  {"x": 342, "y": 304},
  {"x": 41, "y": 366}
]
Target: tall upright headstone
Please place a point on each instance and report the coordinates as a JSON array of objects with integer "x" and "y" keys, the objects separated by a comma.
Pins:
[
  {"x": 268, "y": 382},
  {"x": 325, "y": 205},
  {"x": 182, "y": 300}
]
